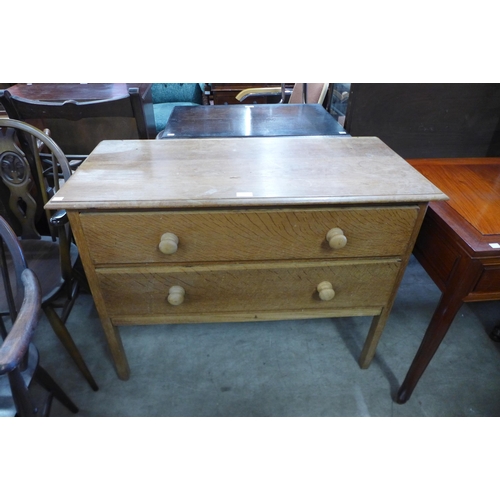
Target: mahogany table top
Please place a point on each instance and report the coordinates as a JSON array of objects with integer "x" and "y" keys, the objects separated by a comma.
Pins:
[
  {"x": 71, "y": 91},
  {"x": 473, "y": 186},
  {"x": 259, "y": 120}
]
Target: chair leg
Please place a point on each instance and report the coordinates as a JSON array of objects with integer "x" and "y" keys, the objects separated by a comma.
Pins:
[
  {"x": 72, "y": 296},
  {"x": 50, "y": 385},
  {"x": 24, "y": 405},
  {"x": 67, "y": 341}
]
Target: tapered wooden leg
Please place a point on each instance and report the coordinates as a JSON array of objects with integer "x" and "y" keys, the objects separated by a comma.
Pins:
[
  {"x": 50, "y": 385},
  {"x": 116, "y": 349},
  {"x": 437, "y": 329},
  {"x": 22, "y": 401},
  {"x": 449, "y": 305},
  {"x": 67, "y": 341},
  {"x": 372, "y": 339}
]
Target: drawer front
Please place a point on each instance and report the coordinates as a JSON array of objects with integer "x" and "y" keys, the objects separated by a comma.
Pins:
[
  {"x": 250, "y": 235},
  {"x": 246, "y": 288},
  {"x": 489, "y": 281}
]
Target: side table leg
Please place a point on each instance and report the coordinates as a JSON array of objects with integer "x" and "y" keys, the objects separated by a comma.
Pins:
[
  {"x": 495, "y": 334},
  {"x": 449, "y": 304},
  {"x": 435, "y": 333}
]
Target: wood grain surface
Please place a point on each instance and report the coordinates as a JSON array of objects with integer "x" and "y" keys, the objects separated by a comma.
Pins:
[
  {"x": 249, "y": 171},
  {"x": 210, "y": 236},
  {"x": 141, "y": 291},
  {"x": 473, "y": 186}
]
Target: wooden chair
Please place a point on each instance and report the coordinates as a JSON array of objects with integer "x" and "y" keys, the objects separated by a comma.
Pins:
[
  {"x": 20, "y": 301},
  {"x": 77, "y": 127},
  {"x": 310, "y": 93},
  {"x": 166, "y": 96},
  {"x": 26, "y": 184}
]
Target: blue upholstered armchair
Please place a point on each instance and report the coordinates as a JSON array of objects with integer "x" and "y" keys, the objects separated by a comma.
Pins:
[{"x": 166, "y": 96}]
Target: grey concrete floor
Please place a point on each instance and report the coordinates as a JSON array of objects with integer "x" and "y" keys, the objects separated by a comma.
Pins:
[{"x": 284, "y": 368}]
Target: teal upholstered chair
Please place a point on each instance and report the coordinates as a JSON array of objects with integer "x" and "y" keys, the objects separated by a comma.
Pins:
[{"x": 166, "y": 96}]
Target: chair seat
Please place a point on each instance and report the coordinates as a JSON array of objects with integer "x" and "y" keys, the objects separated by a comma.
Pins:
[
  {"x": 7, "y": 407},
  {"x": 42, "y": 257}
]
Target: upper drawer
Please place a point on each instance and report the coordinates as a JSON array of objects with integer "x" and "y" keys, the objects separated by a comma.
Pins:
[{"x": 247, "y": 235}]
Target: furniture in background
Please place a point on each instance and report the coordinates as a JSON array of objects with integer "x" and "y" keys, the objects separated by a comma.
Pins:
[
  {"x": 302, "y": 93},
  {"x": 225, "y": 93},
  {"x": 3, "y": 113},
  {"x": 166, "y": 96},
  {"x": 263, "y": 120},
  {"x": 337, "y": 101},
  {"x": 27, "y": 182},
  {"x": 428, "y": 120},
  {"x": 244, "y": 229},
  {"x": 458, "y": 246},
  {"x": 79, "y": 116},
  {"x": 20, "y": 300}
]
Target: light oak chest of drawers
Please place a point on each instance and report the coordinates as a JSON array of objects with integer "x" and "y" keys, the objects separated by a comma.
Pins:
[{"x": 244, "y": 229}]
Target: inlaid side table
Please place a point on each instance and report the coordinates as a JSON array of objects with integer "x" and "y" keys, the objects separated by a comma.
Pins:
[
  {"x": 458, "y": 246},
  {"x": 244, "y": 229}
]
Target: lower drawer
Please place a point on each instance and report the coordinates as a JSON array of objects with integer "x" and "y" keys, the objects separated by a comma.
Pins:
[{"x": 143, "y": 291}]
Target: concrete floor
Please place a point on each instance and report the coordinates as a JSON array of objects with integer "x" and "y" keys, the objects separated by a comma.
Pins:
[{"x": 284, "y": 368}]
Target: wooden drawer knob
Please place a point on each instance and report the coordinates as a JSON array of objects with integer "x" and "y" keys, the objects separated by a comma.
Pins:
[
  {"x": 176, "y": 295},
  {"x": 336, "y": 238},
  {"x": 168, "y": 243},
  {"x": 325, "y": 290}
]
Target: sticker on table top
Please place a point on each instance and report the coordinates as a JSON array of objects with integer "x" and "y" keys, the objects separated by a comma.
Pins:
[
  {"x": 57, "y": 198},
  {"x": 244, "y": 195},
  {"x": 495, "y": 245}
]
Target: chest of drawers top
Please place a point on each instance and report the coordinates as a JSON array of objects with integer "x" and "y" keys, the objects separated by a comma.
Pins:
[{"x": 242, "y": 172}]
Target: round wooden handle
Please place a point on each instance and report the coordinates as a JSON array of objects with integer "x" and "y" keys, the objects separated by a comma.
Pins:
[
  {"x": 176, "y": 295},
  {"x": 325, "y": 290},
  {"x": 336, "y": 238},
  {"x": 168, "y": 243}
]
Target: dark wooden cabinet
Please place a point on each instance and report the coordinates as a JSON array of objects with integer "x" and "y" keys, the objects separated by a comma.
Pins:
[{"x": 112, "y": 113}]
